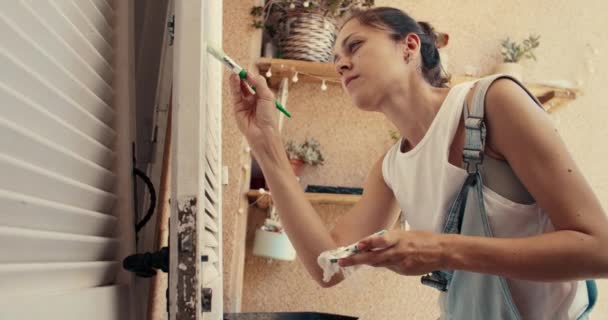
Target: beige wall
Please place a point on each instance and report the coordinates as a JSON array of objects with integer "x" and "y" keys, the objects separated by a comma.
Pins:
[{"x": 572, "y": 46}]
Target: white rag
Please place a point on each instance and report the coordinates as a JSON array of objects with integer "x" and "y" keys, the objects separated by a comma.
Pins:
[{"x": 331, "y": 268}]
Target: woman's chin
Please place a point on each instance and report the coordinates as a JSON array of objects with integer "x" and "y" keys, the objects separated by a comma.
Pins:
[{"x": 362, "y": 103}]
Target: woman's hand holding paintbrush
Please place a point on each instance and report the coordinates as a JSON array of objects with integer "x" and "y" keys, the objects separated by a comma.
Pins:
[{"x": 255, "y": 114}]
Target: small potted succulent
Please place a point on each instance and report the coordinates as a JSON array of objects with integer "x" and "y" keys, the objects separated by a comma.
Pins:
[
  {"x": 513, "y": 52},
  {"x": 308, "y": 152},
  {"x": 303, "y": 29}
]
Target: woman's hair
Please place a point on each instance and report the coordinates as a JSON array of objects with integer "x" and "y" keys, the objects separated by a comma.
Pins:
[{"x": 400, "y": 24}]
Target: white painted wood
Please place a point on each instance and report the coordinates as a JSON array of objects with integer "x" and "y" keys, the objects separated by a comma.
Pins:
[
  {"x": 65, "y": 134},
  {"x": 27, "y": 245},
  {"x": 210, "y": 273},
  {"x": 212, "y": 171},
  {"x": 48, "y": 88},
  {"x": 197, "y": 160},
  {"x": 42, "y": 183},
  {"x": 212, "y": 240},
  {"x": 95, "y": 20},
  {"x": 53, "y": 123},
  {"x": 74, "y": 15},
  {"x": 210, "y": 253},
  {"x": 187, "y": 155},
  {"x": 124, "y": 104},
  {"x": 40, "y": 278},
  {"x": 210, "y": 193},
  {"x": 54, "y": 19},
  {"x": 210, "y": 209},
  {"x": 53, "y": 46},
  {"x": 23, "y": 145},
  {"x": 21, "y": 211},
  {"x": 209, "y": 239},
  {"x": 100, "y": 303},
  {"x": 218, "y": 301},
  {"x": 210, "y": 179},
  {"x": 105, "y": 9},
  {"x": 210, "y": 223},
  {"x": 29, "y": 53},
  {"x": 50, "y": 82}
]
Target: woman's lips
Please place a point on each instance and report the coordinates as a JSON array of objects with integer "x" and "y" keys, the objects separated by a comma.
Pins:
[{"x": 349, "y": 80}]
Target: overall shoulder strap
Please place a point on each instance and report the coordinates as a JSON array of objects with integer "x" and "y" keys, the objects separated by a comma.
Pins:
[{"x": 475, "y": 129}]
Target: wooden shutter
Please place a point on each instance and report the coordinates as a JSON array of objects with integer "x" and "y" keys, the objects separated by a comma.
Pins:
[
  {"x": 196, "y": 216},
  {"x": 58, "y": 168}
]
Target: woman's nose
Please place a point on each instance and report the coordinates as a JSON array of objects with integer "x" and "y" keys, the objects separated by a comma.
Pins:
[{"x": 343, "y": 65}]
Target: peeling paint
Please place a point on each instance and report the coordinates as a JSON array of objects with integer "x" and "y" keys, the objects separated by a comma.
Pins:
[{"x": 187, "y": 293}]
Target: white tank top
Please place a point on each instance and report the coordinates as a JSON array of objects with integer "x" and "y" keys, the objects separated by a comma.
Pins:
[{"x": 425, "y": 185}]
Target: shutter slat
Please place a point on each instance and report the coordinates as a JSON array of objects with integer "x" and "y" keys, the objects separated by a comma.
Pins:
[
  {"x": 21, "y": 211},
  {"x": 23, "y": 112},
  {"x": 36, "y": 57},
  {"x": 210, "y": 273},
  {"x": 55, "y": 78},
  {"x": 25, "y": 83},
  {"x": 209, "y": 239},
  {"x": 210, "y": 209},
  {"x": 210, "y": 192},
  {"x": 210, "y": 222},
  {"x": 211, "y": 170},
  {"x": 25, "y": 146},
  {"x": 39, "y": 278},
  {"x": 43, "y": 246},
  {"x": 43, "y": 26},
  {"x": 56, "y": 48},
  {"x": 74, "y": 16},
  {"x": 56, "y": 21},
  {"x": 95, "y": 19},
  {"x": 106, "y": 10},
  {"x": 40, "y": 183},
  {"x": 211, "y": 146},
  {"x": 58, "y": 239},
  {"x": 209, "y": 180},
  {"x": 212, "y": 270},
  {"x": 101, "y": 303},
  {"x": 210, "y": 253}
]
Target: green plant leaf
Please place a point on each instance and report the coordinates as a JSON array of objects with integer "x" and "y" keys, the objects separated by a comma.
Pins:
[{"x": 257, "y": 11}]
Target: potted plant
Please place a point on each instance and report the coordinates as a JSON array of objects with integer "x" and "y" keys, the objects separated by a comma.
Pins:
[
  {"x": 271, "y": 241},
  {"x": 394, "y": 134},
  {"x": 304, "y": 29},
  {"x": 513, "y": 52},
  {"x": 306, "y": 153}
]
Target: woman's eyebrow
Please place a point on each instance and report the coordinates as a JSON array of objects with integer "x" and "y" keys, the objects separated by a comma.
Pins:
[{"x": 344, "y": 44}]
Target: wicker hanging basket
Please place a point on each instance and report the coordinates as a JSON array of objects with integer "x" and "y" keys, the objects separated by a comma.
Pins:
[{"x": 308, "y": 36}]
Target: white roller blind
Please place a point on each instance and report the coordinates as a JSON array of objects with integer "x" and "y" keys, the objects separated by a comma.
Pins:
[
  {"x": 58, "y": 140},
  {"x": 196, "y": 215}
]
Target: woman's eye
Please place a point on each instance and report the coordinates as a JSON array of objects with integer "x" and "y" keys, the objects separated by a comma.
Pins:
[{"x": 354, "y": 45}]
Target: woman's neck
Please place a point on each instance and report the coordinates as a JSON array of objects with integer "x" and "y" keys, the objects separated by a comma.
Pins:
[{"x": 412, "y": 107}]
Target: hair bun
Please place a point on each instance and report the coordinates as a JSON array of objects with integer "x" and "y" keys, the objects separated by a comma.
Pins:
[
  {"x": 430, "y": 55},
  {"x": 428, "y": 30},
  {"x": 428, "y": 47}
]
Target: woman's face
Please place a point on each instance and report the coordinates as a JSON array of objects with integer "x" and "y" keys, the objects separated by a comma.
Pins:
[{"x": 370, "y": 63}]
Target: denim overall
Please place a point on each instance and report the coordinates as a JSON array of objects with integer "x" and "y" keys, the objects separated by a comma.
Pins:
[{"x": 471, "y": 295}]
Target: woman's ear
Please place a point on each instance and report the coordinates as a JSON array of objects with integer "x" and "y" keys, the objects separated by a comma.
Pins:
[{"x": 412, "y": 41}]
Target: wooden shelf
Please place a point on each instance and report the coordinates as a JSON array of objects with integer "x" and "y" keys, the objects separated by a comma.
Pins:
[
  {"x": 552, "y": 97},
  {"x": 281, "y": 68},
  {"x": 314, "y": 198}
]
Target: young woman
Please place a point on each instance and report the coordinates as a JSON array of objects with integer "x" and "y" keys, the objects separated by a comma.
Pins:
[{"x": 550, "y": 229}]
